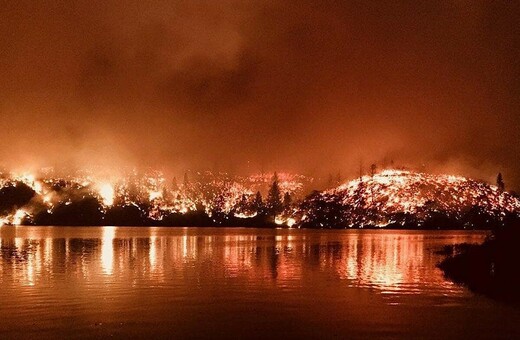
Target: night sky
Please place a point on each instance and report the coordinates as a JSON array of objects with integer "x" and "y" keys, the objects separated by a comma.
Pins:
[{"x": 306, "y": 86}]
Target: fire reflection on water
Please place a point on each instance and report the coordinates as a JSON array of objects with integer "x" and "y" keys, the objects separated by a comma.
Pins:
[
  {"x": 107, "y": 250},
  {"x": 390, "y": 262}
]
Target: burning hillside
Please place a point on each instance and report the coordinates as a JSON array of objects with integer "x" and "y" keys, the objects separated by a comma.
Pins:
[
  {"x": 136, "y": 198},
  {"x": 391, "y": 198},
  {"x": 406, "y": 198}
]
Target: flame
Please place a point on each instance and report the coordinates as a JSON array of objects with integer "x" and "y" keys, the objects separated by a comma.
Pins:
[
  {"x": 155, "y": 195},
  {"x": 107, "y": 193},
  {"x": 15, "y": 219},
  {"x": 29, "y": 180},
  {"x": 279, "y": 220},
  {"x": 290, "y": 222},
  {"x": 244, "y": 215},
  {"x": 3, "y": 221},
  {"x": 19, "y": 216}
]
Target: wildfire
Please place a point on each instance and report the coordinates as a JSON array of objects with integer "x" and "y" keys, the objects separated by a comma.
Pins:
[
  {"x": 404, "y": 191},
  {"x": 15, "y": 219},
  {"x": 106, "y": 191},
  {"x": 397, "y": 196},
  {"x": 150, "y": 192},
  {"x": 29, "y": 180},
  {"x": 18, "y": 216},
  {"x": 389, "y": 197}
]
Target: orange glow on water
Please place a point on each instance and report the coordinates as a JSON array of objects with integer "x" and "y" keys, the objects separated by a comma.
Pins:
[{"x": 107, "y": 250}]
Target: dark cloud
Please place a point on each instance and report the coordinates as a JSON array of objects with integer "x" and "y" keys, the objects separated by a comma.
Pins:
[{"x": 311, "y": 86}]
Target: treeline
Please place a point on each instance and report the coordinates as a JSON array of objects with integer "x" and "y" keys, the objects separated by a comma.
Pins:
[
  {"x": 89, "y": 212},
  {"x": 79, "y": 206}
]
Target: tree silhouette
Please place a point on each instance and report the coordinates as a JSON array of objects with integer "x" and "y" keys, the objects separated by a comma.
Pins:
[
  {"x": 15, "y": 195},
  {"x": 324, "y": 212},
  {"x": 87, "y": 211},
  {"x": 373, "y": 169},
  {"x": 274, "y": 198},
  {"x": 243, "y": 205},
  {"x": 218, "y": 208},
  {"x": 258, "y": 204},
  {"x": 287, "y": 200},
  {"x": 359, "y": 209},
  {"x": 129, "y": 215},
  {"x": 500, "y": 182}
]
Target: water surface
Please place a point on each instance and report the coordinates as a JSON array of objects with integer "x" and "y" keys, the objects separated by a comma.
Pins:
[{"x": 246, "y": 283}]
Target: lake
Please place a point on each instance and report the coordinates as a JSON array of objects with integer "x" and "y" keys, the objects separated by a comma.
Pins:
[{"x": 237, "y": 283}]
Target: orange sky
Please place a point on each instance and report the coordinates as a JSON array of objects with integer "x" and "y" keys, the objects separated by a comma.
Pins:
[{"x": 242, "y": 85}]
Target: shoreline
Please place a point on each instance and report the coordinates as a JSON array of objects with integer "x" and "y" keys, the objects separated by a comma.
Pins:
[
  {"x": 260, "y": 226},
  {"x": 489, "y": 268}
]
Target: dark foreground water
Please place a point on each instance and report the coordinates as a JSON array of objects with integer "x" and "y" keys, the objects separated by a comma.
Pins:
[{"x": 247, "y": 283}]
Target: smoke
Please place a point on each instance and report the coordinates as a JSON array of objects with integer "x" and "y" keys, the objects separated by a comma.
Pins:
[{"x": 313, "y": 87}]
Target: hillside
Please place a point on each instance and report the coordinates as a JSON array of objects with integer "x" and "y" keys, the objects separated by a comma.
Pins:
[{"x": 409, "y": 199}]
